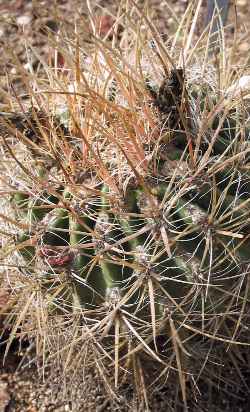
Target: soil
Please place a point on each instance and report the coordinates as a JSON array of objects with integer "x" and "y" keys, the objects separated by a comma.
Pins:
[{"x": 21, "y": 388}]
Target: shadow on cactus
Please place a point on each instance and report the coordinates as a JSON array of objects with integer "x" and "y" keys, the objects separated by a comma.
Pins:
[{"x": 127, "y": 202}]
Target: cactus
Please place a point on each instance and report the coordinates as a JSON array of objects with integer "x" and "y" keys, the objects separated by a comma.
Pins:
[{"x": 131, "y": 217}]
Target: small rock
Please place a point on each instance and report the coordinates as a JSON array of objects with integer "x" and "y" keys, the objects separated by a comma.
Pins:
[
  {"x": 4, "y": 396},
  {"x": 13, "y": 70},
  {"x": 23, "y": 20},
  {"x": 241, "y": 3},
  {"x": 4, "y": 297},
  {"x": 105, "y": 23},
  {"x": 242, "y": 85},
  {"x": 244, "y": 47}
]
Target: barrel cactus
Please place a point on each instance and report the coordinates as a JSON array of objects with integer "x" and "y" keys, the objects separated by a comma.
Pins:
[{"x": 126, "y": 199}]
